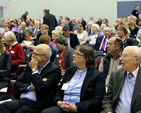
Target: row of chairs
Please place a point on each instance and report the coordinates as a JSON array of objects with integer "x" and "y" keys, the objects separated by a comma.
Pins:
[
  {"x": 98, "y": 56},
  {"x": 20, "y": 69}
]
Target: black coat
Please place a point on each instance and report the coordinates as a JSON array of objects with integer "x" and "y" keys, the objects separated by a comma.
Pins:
[
  {"x": 45, "y": 91},
  {"x": 51, "y": 21},
  {"x": 5, "y": 64}
]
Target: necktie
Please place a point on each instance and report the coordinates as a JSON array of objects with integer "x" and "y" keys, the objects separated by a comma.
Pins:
[
  {"x": 103, "y": 44},
  {"x": 35, "y": 31},
  {"x": 130, "y": 75}
]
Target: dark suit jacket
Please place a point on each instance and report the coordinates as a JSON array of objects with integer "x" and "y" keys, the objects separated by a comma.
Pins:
[
  {"x": 51, "y": 21},
  {"x": 98, "y": 43},
  {"x": 92, "y": 92},
  {"x": 99, "y": 22},
  {"x": 73, "y": 40},
  {"x": 45, "y": 91},
  {"x": 130, "y": 42},
  {"x": 112, "y": 96}
]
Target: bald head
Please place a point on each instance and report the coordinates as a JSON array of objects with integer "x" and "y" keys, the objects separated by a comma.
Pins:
[
  {"x": 43, "y": 49},
  {"x": 134, "y": 50},
  {"x": 131, "y": 58}
]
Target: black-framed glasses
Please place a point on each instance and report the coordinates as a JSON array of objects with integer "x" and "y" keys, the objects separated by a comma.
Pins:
[
  {"x": 33, "y": 53},
  {"x": 78, "y": 54}
]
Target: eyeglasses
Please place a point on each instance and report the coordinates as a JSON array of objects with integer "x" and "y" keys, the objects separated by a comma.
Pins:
[
  {"x": 78, "y": 54},
  {"x": 33, "y": 53}
]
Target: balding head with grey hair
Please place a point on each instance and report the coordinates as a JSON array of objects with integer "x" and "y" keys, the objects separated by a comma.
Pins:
[
  {"x": 61, "y": 40},
  {"x": 107, "y": 31},
  {"x": 131, "y": 58}
]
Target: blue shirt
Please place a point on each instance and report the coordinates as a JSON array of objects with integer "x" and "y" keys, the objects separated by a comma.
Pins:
[
  {"x": 72, "y": 94},
  {"x": 125, "y": 97}
]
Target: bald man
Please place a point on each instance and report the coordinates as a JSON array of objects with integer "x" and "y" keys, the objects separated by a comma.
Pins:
[
  {"x": 124, "y": 92},
  {"x": 37, "y": 84}
]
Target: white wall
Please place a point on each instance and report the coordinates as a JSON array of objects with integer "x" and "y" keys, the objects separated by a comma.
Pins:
[{"x": 70, "y": 8}]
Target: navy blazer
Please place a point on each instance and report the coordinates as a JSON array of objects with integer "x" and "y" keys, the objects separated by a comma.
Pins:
[
  {"x": 129, "y": 42},
  {"x": 92, "y": 92},
  {"x": 98, "y": 43},
  {"x": 45, "y": 91}
]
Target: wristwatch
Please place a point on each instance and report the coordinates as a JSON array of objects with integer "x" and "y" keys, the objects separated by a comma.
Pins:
[{"x": 33, "y": 70}]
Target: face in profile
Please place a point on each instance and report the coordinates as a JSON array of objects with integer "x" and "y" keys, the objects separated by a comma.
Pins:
[
  {"x": 78, "y": 58},
  {"x": 127, "y": 59}
]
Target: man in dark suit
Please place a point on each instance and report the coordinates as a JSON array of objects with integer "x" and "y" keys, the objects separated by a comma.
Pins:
[
  {"x": 82, "y": 88},
  {"x": 72, "y": 38},
  {"x": 124, "y": 91},
  {"x": 37, "y": 84},
  {"x": 101, "y": 42},
  {"x": 49, "y": 19}
]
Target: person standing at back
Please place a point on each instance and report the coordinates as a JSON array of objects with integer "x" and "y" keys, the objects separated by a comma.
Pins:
[
  {"x": 49, "y": 19},
  {"x": 135, "y": 12},
  {"x": 24, "y": 16}
]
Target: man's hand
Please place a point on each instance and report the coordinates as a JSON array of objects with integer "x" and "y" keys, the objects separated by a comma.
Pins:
[
  {"x": 32, "y": 88},
  {"x": 33, "y": 64},
  {"x": 44, "y": 79}
]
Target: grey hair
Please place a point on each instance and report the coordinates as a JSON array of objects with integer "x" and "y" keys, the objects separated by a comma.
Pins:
[{"x": 10, "y": 36}]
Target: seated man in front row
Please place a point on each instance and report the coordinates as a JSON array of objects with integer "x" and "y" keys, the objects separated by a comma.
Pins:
[{"x": 37, "y": 84}]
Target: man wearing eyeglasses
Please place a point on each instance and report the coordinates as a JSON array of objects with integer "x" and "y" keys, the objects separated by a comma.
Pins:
[{"x": 37, "y": 84}]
